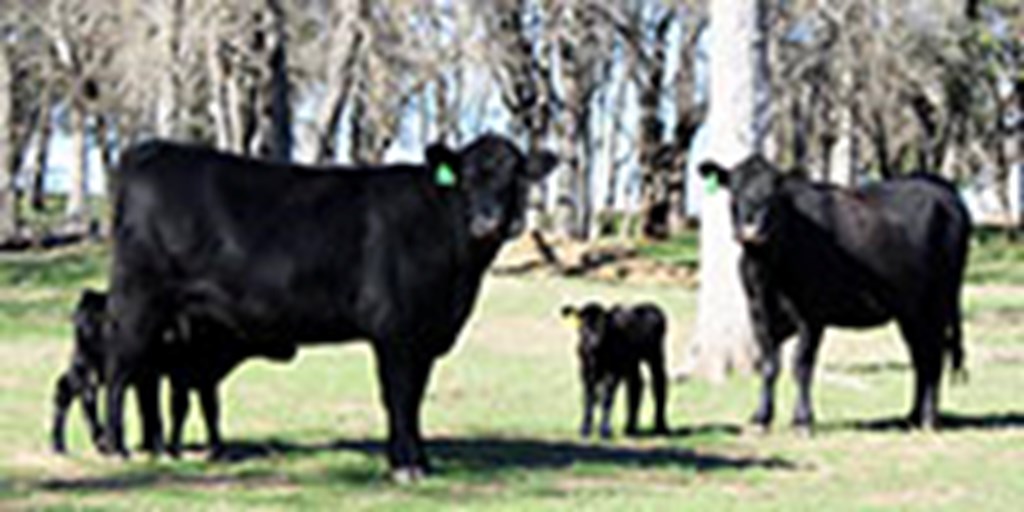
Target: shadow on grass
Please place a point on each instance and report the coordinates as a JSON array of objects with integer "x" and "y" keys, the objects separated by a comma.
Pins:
[
  {"x": 948, "y": 422},
  {"x": 457, "y": 458},
  {"x": 496, "y": 455}
]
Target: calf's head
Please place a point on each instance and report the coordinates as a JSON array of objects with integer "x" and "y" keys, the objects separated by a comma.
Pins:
[
  {"x": 494, "y": 177},
  {"x": 89, "y": 321},
  {"x": 594, "y": 324},
  {"x": 755, "y": 185}
]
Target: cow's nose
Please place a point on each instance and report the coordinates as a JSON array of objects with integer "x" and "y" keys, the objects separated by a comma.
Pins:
[
  {"x": 484, "y": 227},
  {"x": 750, "y": 233}
]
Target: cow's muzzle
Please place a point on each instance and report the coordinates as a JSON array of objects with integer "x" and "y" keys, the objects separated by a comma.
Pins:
[{"x": 751, "y": 234}]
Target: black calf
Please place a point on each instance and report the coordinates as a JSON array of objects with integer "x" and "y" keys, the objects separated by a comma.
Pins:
[
  {"x": 196, "y": 355},
  {"x": 613, "y": 344}
]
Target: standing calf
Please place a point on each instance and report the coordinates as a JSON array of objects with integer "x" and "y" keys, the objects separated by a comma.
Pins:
[
  {"x": 816, "y": 255},
  {"x": 613, "y": 344},
  {"x": 196, "y": 355}
]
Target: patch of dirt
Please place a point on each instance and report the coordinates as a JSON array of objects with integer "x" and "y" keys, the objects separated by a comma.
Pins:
[{"x": 617, "y": 262}]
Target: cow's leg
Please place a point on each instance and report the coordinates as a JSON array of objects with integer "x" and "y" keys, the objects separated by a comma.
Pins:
[
  {"x": 118, "y": 373},
  {"x": 589, "y": 402},
  {"x": 128, "y": 346},
  {"x": 769, "y": 367},
  {"x": 148, "y": 395},
  {"x": 803, "y": 371},
  {"x": 926, "y": 349},
  {"x": 608, "y": 387},
  {"x": 179, "y": 413},
  {"x": 403, "y": 377},
  {"x": 659, "y": 385},
  {"x": 211, "y": 415},
  {"x": 634, "y": 392}
]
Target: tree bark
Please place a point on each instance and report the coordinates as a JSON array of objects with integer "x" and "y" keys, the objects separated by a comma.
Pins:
[
  {"x": 274, "y": 126},
  {"x": 737, "y": 122},
  {"x": 76, "y": 210},
  {"x": 8, "y": 194}
]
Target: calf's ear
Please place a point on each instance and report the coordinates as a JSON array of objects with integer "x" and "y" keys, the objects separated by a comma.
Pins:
[
  {"x": 711, "y": 170},
  {"x": 539, "y": 164}
]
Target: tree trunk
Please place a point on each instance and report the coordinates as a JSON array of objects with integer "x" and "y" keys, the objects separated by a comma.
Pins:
[
  {"x": 219, "y": 69},
  {"x": 345, "y": 44},
  {"x": 8, "y": 194},
  {"x": 723, "y": 340},
  {"x": 273, "y": 110},
  {"x": 567, "y": 210},
  {"x": 35, "y": 179},
  {"x": 76, "y": 211},
  {"x": 654, "y": 177},
  {"x": 169, "y": 103}
]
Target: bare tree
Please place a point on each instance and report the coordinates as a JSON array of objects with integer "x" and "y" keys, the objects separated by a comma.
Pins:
[{"x": 723, "y": 339}]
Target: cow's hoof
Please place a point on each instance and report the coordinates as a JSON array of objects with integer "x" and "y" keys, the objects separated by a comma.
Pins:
[
  {"x": 174, "y": 451},
  {"x": 803, "y": 430},
  {"x": 605, "y": 433},
  {"x": 218, "y": 454},
  {"x": 758, "y": 429},
  {"x": 60, "y": 449},
  {"x": 632, "y": 432},
  {"x": 662, "y": 430},
  {"x": 407, "y": 475}
]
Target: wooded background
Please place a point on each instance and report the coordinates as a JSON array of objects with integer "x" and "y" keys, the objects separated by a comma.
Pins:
[{"x": 858, "y": 88}]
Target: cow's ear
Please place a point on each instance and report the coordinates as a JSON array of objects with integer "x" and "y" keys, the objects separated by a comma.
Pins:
[
  {"x": 712, "y": 171},
  {"x": 539, "y": 164},
  {"x": 443, "y": 163},
  {"x": 568, "y": 311}
]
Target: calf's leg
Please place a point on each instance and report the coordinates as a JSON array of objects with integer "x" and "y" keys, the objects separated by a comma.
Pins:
[
  {"x": 64, "y": 395},
  {"x": 803, "y": 371},
  {"x": 659, "y": 385},
  {"x": 634, "y": 392},
  {"x": 608, "y": 388},
  {"x": 589, "y": 402},
  {"x": 91, "y": 414}
]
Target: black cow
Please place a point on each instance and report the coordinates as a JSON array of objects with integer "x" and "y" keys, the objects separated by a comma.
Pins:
[
  {"x": 815, "y": 255},
  {"x": 613, "y": 344},
  {"x": 195, "y": 354},
  {"x": 393, "y": 254}
]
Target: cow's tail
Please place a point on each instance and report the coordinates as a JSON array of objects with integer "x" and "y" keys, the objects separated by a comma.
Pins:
[{"x": 955, "y": 348}]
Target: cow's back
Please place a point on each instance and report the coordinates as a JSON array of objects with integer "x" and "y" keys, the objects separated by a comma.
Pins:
[{"x": 285, "y": 251}]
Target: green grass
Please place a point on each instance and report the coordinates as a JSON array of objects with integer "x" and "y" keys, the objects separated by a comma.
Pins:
[{"x": 501, "y": 418}]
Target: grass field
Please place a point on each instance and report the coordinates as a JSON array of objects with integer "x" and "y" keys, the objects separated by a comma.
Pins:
[{"x": 502, "y": 412}]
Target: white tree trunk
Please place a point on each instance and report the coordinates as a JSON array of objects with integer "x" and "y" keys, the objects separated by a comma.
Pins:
[
  {"x": 842, "y": 168},
  {"x": 76, "y": 208},
  {"x": 8, "y": 198},
  {"x": 723, "y": 340}
]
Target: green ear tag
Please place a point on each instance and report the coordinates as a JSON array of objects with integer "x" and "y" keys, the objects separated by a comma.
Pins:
[
  {"x": 711, "y": 184},
  {"x": 444, "y": 176}
]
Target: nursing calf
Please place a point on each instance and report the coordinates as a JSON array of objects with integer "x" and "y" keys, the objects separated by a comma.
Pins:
[
  {"x": 816, "y": 255},
  {"x": 613, "y": 344},
  {"x": 195, "y": 354}
]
